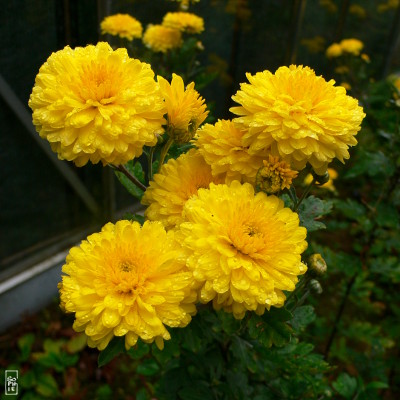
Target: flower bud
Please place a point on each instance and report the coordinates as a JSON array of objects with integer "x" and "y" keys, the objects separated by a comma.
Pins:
[
  {"x": 320, "y": 179},
  {"x": 315, "y": 286},
  {"x": 317, "y": 264}
]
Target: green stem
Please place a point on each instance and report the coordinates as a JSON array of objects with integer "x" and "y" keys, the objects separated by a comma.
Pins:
[
  {"x": 131, "y": 177},
  {"x": 304, "y": 194},
  {"x": 164, "y": 152},
  {"x": 150, "y": 162}
]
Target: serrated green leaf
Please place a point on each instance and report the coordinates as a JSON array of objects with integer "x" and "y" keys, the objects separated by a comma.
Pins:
[
  {"x": 302, "y": 316},
  {"x": 139, "y": 350},
  {"x": 148, "y": 367},
  {"x": 115, "y": 347},
  {"x": 350, "y": 209},
  {"x": 371, "y": 164},
  {"x": 271, "y": 329},
  {"x": 310, "y": 210},
  {"x": 345, "y": 385}
]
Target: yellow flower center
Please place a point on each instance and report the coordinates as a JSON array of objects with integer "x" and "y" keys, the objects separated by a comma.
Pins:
[
  {"x": 126, "y": 266},
  {"x": 99, "y": 84},
  {"x": 246, "y": 237}
]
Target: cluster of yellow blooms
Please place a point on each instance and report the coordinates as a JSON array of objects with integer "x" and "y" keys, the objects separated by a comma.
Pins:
[
  {"x": 346, "y": 46},
  {"x": 159, "y": 38},
  {"x": 209, "y": 236}
]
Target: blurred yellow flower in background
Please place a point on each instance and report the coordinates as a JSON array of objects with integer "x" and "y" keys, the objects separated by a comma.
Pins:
[
  {"x": 222, "y": 148},
  {"x": 184, "y": 22},
  {"x": 95, "y": 104},
  {"x": 388, "y": 5},
  {"x": 352, "y": 46},
  {"x": 346, "y": 85},
  {"x": 358, "y": 10},
  {"x": 186, "y": 110},
  {"x": 243, "y": 249},
  {"x": 177, "y": 181},
  {"x": 122, "y": 25},
  {"x": 130, "y": 281},
  {"x": 162, "y": 39},
  {"x": 274, "y": 176},
  {"x": 315, "y": 44},
  {"x": 298, "y": 116},
  {"x": 334, "y": 50}
]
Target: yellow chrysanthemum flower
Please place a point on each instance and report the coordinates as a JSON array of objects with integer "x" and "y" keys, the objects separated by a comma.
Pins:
[
  {"x": 184, "y": 22},
  {"x": 122, "y": 25},
  {"x": 93, "y": 103},
  {"x": 162, "y": 39},
  {"x": 128, "y": 281},
  {"x": 352, "y": 46},
  {"x": 334, "y": 50},
  {"x": 328, "y": 185},
  {"x": 298, "y": 116},
  {"x": 177, "y": 181},
  {"x": 222, "y": 148},
  {"x": 185, "y": 108},
  {"x": 243, "y": 249},
  {"x": 274, "y": 176}
]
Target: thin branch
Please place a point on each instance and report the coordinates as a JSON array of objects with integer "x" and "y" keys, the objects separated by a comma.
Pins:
[{"x": 131, "y": 177}]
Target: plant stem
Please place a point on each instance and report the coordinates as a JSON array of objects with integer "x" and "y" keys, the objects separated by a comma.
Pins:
[
  {"x": 339, "y": 315},
  {"x": 150, "y": 163},
  {"x": 304, "y": 194},
  {"x": 131, "y": 177},
  {"x": 164, "y": 152}
]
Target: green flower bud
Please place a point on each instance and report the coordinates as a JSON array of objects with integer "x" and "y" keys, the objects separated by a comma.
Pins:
[
  {"x": 315, "y": 286},
  {"x": 320, "y": 179}
]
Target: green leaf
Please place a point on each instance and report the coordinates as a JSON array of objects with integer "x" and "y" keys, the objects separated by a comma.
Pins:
[
  {"x": 142, "y": 394},
  {"x": 139, "y": 350},
  {"x": 47, "y": 386},
  {"x": 387, "y": 216},
  {"x": 311, "y": 209},
  {"x": 350, "y": 209},
  {"x": 197, "y": 390},
  {"x": 148, "y": 367},
  {"x": 377, "y": 385},
  {"x": 115, "y": 347},
  {"x": 271, "y": 328},
  {"x": 345, "y": 385},
  {"x": 136, "y": 170},
  {"x": 28, "y": 379},
  {"x": 104, "y": 392},
  {"x": 302, "y": 316},
  {"x": 371, "y": 164},
  {"x": 76, "y": 343},
  {"x": 25, "y": 345}
]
